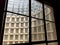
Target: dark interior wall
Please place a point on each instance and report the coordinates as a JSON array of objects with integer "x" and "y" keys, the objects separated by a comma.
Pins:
[{"x": 2, "y": 2}]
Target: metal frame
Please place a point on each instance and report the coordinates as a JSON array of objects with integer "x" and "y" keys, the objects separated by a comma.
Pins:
[{"x": 30, "y": 41}]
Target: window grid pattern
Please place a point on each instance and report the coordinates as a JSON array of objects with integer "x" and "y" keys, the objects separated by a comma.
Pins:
[{"x": 35, "y": 22}]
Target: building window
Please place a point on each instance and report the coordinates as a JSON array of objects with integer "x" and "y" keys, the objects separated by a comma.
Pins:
[
  {"x": 21, "y": 30},
  {"x": 22, "y": 18},
  {"x": 5, "y": 37},
  {"x": 12, "y": 24},
  {"x": 6, "y": 30},
  {"x": 11, "y": 30},
  {"x": 8, "y": 19},
  {"x": 26, "y": 24},
  {"x": 35, "y": 29},
  {"x": 21, "y": 37},
  {"x": 26, "y": 30},
  {"x": 11, "y": 37},
  {"x": 17, "y": 24},
  {"x": 26, "y": 37},
  {"x": 17, "y": 30},
  {"x": 13, "y": 19},
  {"x": 26, "y": 18},
  {"x": 49, "y": 36},
  {"x": 39, "y": 28},
  {"x": 17, "y": 19},
  {"x": 39, "y": 37},
  {"x": 48, "y": 26},
  {"x": 16, "y": 42},
  {"x": 16, "y": 37},
  {"x": 7, "y": 24},
  {"x": 22, "y": 24},
  {"x": 5, "y": 43},
  {"x": 35, "y": 36},
  {"x": 11, "y": 42}
]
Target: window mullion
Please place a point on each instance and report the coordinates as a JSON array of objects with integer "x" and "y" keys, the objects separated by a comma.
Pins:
[
  {"x": 44, "y": 23},
  {"x": 30, "y": 21}
]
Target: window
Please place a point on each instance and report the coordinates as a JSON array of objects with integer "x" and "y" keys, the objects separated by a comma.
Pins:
[
  {"x": 22, "y": 24},
  {"x": 12, "y": 24},
  {"x": 35, "y": 36},
  {"x": 16, "y": 37},
  {"x": 6, "y": 30},
  {"x": 11, "y": 30},
  {"x": 26, "y": 24},
  {"x": 40, "y": 37},
  {"x": 11, "y": 37},
  {"x": 17, "y": 30},
  {"x": 42, "y": 25},
  {"x": 26, "y": 18},
  {"x": 39, "y": 28},
  {"x": 26, "y": 30},
  {"x": 48, "y": 26},
  {"x": 7, "y": 24},
  {"x": 22, "y": 18},
  {"x": 35, "y": 29},
  {"x": 16, "y": 42},
  {"x": 4, "y": 43},
  {"x": 21, "y": 37},
  {"x": 21, "y": 30},
  {"x": 26, "y": 37},
  {"x": 17, "y": 19},
  {"x": 13, "y": 19},
  {"x": 8, "y": 18},
  {"x": 11, "y": 42},
  {"x": 17, "y": 24},
  {"x": 5, "y": 37}
]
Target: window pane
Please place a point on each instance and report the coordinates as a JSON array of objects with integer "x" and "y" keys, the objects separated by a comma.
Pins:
[
  {"x": 36, "y": 9},
  {"x": 16, "y": 31},
  {"x": 49, "y": 14},
  {"x": 53, "y": 43},
  {"x": 51, "y": 31},
  {"x": 19, "y": 6},
  {"x": 38, "y": 30}
]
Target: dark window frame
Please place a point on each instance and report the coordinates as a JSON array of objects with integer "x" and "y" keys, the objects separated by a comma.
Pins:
[{"x": 29, "y": 24}]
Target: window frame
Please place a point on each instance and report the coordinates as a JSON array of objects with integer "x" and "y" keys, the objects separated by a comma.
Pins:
[{"x": 30, "y": 24}]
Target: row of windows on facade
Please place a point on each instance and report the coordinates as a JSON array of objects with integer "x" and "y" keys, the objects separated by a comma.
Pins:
[
  {"x": 16, "y": 24},
  {"x": 13, "y": 42},
  {"x": 17, "y": 19},
  {"x": 21, "y": 30},
  {"x": 35, "y": 37},
  {"x": 11, "y": 37}
]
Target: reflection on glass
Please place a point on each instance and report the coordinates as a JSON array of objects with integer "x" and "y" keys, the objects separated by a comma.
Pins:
[
  {"x": 53, "y": 43},
  {"x": 51, "y": 31},
  {"x": 49, "y": 14},
  {"x": 39, "y": 44},
  {"x": 36, "y": 9},
  {"x": 14, "y": 32},
  {"x": 37, "y": 30},
  {"x": 18, "y": 6}
]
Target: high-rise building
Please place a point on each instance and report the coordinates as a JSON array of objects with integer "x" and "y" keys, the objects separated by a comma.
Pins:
[{"x": 17, "y": 26}]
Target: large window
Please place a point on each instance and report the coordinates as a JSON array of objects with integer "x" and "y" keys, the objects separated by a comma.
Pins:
[{"x": 27, "y": 23}]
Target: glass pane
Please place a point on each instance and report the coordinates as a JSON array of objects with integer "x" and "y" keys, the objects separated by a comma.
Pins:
[
  {"x": 49, "y": 14},
  {"x": 51, "y": 31},
  {"x": 53, "y": 43},
  {"x": 37, "y": 30},
  {"x": 39, "y": 44},
  {"x": 19, "y": 6},
  {"x": 36, "y": 9},
  {"x": 16, "y": 31}
]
